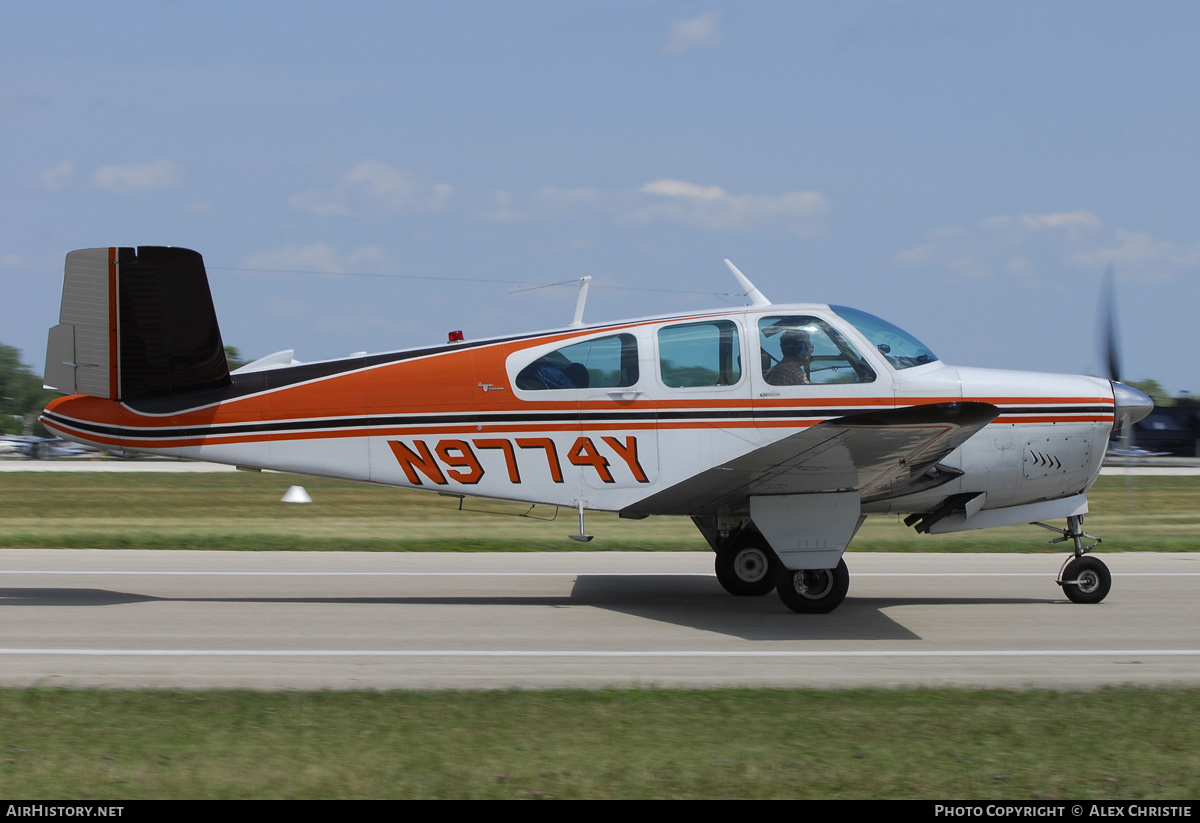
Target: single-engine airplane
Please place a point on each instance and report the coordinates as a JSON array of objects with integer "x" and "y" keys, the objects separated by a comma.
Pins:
[{"x": 777, "y": 428}]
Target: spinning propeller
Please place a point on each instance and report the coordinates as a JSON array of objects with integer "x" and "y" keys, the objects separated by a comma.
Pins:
[{"x": 1131, "y": 404}]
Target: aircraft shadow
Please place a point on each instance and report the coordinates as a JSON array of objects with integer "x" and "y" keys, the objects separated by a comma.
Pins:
[
  {"x": 70, "y": 597},
  {"x": 694, "y": 602},
  {"x": 701, "y": 603}
]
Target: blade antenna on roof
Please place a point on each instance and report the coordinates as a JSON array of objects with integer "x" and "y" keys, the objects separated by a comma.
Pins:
[
  {"x": 580, "y": 301},
  {"x": 757, "y": 298}
]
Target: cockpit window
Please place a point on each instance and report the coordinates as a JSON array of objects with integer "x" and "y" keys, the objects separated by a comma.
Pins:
[
  {"x": 700, "y": 354},
  {"x": 900, "y": 348},
  {"x": 801, "y": 350},
  {"x": 603, "y": 363}
]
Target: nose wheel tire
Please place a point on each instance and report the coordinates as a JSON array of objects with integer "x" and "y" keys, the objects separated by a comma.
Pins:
[
  {"x": 1086, "y": 580},
  {"x": 813, "y": 591},
  {"x": 747, "y": 570}
]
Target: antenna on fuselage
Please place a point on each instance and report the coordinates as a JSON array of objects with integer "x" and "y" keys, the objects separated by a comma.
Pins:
[
  {"x": 757, "y": 298},
  {"x": 581, "y": 300}
]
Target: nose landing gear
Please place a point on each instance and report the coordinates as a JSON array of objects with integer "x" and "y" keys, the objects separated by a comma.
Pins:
[{"x": 1083, "y": 579}]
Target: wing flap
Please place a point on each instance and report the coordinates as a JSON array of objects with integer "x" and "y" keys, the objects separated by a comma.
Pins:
[{"x": 878, "y": 454}]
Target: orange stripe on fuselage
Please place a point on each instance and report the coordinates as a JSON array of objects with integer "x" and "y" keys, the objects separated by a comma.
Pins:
[{"x": 1030, "y": 418}]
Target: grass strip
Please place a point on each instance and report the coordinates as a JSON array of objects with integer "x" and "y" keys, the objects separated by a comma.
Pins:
[
  {"x": 908, "y": 744},
  {"x": 242, "y": 511}
]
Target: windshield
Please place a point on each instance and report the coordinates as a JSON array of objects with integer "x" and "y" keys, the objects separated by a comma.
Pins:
[{"x": 900, "y": 348}]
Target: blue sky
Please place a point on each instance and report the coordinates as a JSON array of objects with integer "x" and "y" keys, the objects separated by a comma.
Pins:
[{"x": 367, "y": 176}]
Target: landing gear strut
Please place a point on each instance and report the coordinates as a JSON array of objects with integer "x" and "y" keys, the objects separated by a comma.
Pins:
[{"x": 1083, "y": 579}]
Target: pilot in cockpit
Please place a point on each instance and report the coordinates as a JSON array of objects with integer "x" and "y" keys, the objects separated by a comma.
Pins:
[{"x": 797, "y": 352}]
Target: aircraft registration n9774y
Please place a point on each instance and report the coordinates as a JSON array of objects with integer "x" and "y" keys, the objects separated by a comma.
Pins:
[{"x": 776, "y": 428}]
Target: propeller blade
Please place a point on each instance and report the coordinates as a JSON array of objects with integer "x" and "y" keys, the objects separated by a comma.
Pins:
[
  {"x": 1108, "y": 327},
  {"x": 1130, "y": 405}
]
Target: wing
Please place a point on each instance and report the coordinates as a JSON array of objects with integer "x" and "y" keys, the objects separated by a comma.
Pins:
[{"x": 878, "y": 454}]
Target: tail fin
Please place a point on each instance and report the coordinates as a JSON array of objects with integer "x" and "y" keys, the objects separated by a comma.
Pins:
[{"x": 135, "y": 323}]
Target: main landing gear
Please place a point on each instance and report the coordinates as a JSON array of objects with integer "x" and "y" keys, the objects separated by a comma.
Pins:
[
  {"x": 1083, "y": 579},
  {"x": 749, "y": 567},
  {"x": 813, "y": 591}
]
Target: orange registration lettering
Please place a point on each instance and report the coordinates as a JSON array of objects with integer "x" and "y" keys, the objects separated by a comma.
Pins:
[
  {"x": 584, "y": 453},
  {"x": 421, "y": 461},
  {"x": 465, "y": 459},
  {"x": 456, "y": 459}
]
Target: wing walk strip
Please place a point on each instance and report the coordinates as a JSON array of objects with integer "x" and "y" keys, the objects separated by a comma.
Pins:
[
  {"x": 660, "y": 653},
  {"x": 564, "y": 420}
]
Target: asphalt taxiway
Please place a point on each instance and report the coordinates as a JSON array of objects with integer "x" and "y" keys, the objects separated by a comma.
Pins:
[{"x": 324, "y": 620}]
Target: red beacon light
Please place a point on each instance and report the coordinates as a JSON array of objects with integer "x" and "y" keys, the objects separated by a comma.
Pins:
[{"x": 455, "y": 337}]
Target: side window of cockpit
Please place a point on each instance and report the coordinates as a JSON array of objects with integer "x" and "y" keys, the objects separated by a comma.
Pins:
[
  {"x": 603, "y": 363},
  {"x": 803, "y": 350},
  {"x": 700, "y": 354}
]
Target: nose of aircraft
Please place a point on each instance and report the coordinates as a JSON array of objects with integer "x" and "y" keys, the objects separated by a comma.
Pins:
[{"x": 1131, "y": 404}]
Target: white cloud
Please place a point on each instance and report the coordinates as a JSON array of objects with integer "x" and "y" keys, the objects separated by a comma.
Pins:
[
  {"x": 372, "y": 188},
  {"x": 1028, "y": 245},
  {"x": 200, "y": 207},
  {"x": 139, "y": 178},
  {"x": 713, "y": 208},
  {"x": 671, "y": 201},
  {"x": 678, "y": 188},
  {"x": 698, "y": 33},
  {"x": 1074, "y": 223},
  {"x": 570, "y": 202},
  {"x": 57, "y": 177},
  {"x": 503, "y": 208},
  {"x": 547, "y": 203},
  {"x": 1138, "y": 254},
  {"x": 319, "y": 257}
]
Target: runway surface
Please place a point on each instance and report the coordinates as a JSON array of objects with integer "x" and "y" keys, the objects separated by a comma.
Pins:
[{"x": 324, "y": 620}]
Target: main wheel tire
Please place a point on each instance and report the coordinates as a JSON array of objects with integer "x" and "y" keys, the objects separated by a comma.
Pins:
[
  {"x": 747, "y": 568},
  {"x": 813, "y": 591},
  {"x": 1086, "y": 580}
]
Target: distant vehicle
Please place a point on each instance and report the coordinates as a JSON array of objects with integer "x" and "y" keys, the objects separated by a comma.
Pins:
[
  {"x": 1135, "y": 451},
  {"x": 40, "y": 448},
  {"x": 1165, "y": 431},
  {"x": 776, "y": 428}
]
